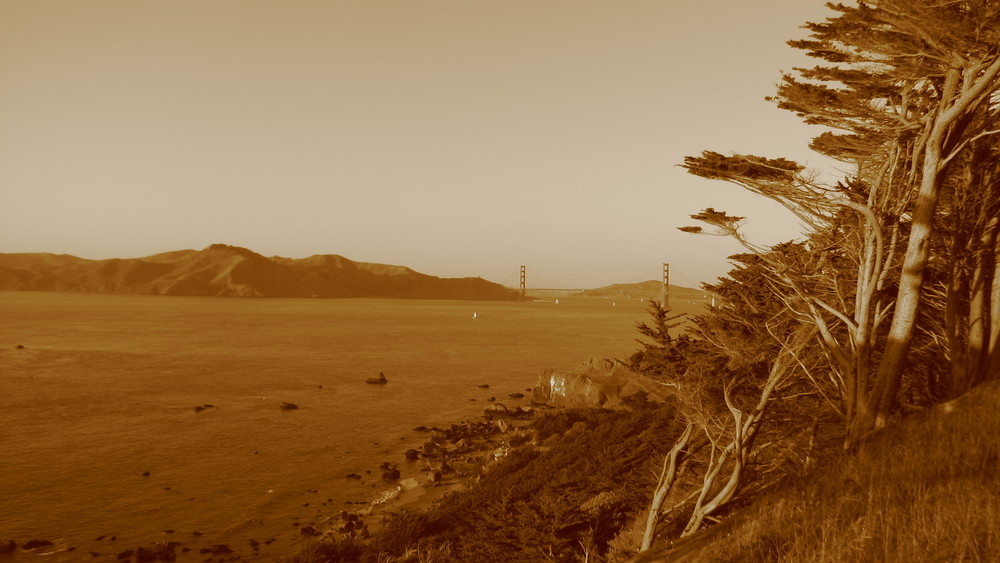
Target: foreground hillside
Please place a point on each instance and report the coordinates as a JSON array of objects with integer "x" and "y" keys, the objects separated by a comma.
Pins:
[
  {"x": 576, "y": 483},
  {"x": 922, "y": 490},
  {"x": 230, "y": 271}
]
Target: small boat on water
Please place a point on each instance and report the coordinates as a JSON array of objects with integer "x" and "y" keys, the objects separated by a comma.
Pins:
[{"x": 380, "y": 380}]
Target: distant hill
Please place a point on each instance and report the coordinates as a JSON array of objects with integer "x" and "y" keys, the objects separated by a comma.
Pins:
[
  {"x": 231, "y": 271},
  {"x": 644, "y": 290}
]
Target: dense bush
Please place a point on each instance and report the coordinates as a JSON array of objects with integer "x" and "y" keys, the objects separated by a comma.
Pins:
[{"x": 328, "y": 551}]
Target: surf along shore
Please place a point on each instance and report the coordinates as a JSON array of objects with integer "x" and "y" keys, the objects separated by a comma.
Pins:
[
  {"x": 451, "y": 458},
  {"x": 449, "y": 461}
]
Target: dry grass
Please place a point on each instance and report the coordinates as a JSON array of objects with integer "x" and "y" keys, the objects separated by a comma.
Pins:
[{"x": 927, "y": 489}]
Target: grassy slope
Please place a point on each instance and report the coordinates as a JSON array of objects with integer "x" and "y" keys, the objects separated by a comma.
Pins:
[{"x": 927, "y": 489}]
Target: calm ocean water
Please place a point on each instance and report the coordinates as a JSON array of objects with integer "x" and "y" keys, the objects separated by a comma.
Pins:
[{"x": 106, "y": 387}]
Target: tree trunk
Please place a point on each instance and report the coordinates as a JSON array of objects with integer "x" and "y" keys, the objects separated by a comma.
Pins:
[
  {"x": 875, "y": 409},
  {"x": 667, "y": 478},
  {"x": 993, "y": 354}
]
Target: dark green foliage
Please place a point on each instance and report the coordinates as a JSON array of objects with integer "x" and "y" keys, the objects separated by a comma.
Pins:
[
  {"x": 662, "y": 355},
  {"x": 713, "y": 165},
  {"x": 402, "y": 531},
  {"x": 746, "y": 306},
  {"x": 328, "y": 551},
  {"x": 558, "y": 422}
]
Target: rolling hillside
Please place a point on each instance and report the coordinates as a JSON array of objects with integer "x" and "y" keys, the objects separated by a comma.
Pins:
[
  {"x": 644, "y": 290},
  {"x": 231, "y": 271}
]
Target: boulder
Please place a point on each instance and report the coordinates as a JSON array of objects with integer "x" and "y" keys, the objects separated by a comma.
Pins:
[
  {"x": 288, "y": 406},
  {"x": 496, "y": 409},
  {"x": 596, "y": 383},
  {"x": 35, "y": 544},
  {"x": 217, "y": 549},
  {"x": 380, "y": 380},
  {"x": 433, "y": 477},
  {"x": 158, "y": 552}
]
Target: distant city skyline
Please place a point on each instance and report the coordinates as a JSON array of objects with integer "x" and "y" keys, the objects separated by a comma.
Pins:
[{"x": 455, "y": 138}]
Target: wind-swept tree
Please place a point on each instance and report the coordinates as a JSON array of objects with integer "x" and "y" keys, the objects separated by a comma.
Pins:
[
  {"x": 662, "y": 354},
  {"x": 908, "y": 85},
  {"x": 741, "y": 356},
  {"x": 964, "y": 285},
  {"x": 904, "y": 79},
  {"x": 835, "y": 280}
]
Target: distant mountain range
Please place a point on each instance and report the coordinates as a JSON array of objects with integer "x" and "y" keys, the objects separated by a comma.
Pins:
[
  {"x": 647, "y": 290},
  {"x": 231, "y": 271}
]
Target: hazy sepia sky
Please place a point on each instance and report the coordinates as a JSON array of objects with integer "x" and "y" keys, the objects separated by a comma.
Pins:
[{"x": 459, "y": 138}]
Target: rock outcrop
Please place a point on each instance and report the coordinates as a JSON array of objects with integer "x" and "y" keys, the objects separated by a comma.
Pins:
[{"x": 596, "y": 383}]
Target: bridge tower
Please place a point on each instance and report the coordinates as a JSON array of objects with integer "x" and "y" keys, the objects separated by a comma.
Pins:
[
  {"x": 522, "y": 281},
  {"x": 665, "y": 295}
]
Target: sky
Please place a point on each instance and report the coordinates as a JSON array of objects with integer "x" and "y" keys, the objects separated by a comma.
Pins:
[{"x": 459, "y": 138}]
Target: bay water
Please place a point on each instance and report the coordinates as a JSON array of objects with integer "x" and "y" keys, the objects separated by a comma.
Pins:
[{"x": 103, "y": 448}]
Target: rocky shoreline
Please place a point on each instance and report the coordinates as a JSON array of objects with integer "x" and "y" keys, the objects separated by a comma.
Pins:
[
  {"x": 448, "y": 461},
  {"x": 456, "y": 457}
]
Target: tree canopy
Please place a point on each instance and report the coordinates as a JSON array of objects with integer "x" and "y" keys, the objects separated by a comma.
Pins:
[{"x": 899, "y": 260}]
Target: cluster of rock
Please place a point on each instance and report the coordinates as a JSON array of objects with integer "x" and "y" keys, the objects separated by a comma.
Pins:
[
  {"x": 349, "y": 525},
  {"x": 143, "y": 554},
  {"x": 459, "y": 450},
  {"x": 458, "y": 443},
  {"x": 160, "y": 551},
  {"x": 596, "y": 384}
]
